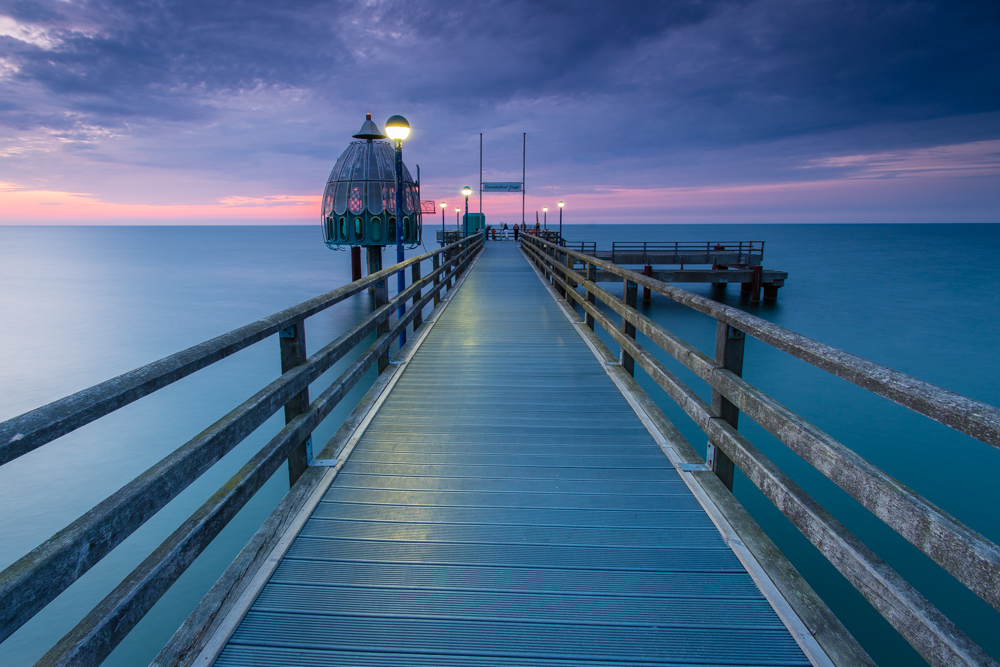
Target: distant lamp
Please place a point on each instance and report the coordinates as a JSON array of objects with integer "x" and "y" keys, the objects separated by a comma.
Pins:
[
  {"x": 561, "y": 204},
  {"x": 465, "y": 223},
  {"x": 545, "y": 219},
  {"x": 443, "y": 207},
  {"x": 397, "y": 128}
]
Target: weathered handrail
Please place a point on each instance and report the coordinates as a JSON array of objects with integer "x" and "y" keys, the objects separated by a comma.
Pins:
[
  {"x": 38, "y": 577},
  {"x": 33, "y": 429},
  {"x": 975, "y": 418},
  {"x": 967, "y": 555}
]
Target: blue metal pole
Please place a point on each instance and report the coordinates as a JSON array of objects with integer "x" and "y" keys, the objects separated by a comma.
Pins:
[
  {"x": 560, "y": 225},
  {"x": 465, "y": 230},
  {"x": 400, "y": 277},
  {"x": 442, "y": 226}
]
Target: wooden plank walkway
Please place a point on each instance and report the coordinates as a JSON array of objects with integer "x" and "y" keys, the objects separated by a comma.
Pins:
[{"x": 507, "y": 507}]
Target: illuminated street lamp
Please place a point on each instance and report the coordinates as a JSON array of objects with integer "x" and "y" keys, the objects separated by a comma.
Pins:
[
  {"x": 443, "y": 207},
  {"x": 465, "y": 225},
  {"x": 458, "y": 225},
  {"x": 545, "y": 210},
  {"x": 398, "y": 129},
  {"x": 561, "y": 204}
]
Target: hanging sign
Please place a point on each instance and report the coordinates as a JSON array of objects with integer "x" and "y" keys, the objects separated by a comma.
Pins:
[{"x": 502, "y": 187}]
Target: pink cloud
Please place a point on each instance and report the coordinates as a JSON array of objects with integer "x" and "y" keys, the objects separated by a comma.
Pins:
[
  {"x": 977, "y": 158},
  {"x": 28, "y": 206}
]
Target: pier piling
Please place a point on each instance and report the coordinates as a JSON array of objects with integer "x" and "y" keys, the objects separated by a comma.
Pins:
[{"x": 355, "y": 263}]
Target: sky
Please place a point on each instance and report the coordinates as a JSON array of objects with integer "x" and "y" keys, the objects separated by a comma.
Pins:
[{"x": 687, "y": 111}]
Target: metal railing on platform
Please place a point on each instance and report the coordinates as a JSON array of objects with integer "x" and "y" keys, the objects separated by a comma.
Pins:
[
  {"x": 755, "y": 248},
  {"x": 967, "y": 555},
  {"x": 32, "y": 582}
]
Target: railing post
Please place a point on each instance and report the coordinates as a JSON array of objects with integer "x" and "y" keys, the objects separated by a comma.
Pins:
[
  {"x": 418, "y": 319},
  {"x": 646, "y": 294},
  {"x": 630, "y": 297},
  {"x": 728, "y": 354},
  {"x": 435, "y": 265},
  {"x": 292, "y": 341},
  {"x": 556, "y": 260},
  {"x": 591, "y": 297},
  {"x": 570, "y": 264}
]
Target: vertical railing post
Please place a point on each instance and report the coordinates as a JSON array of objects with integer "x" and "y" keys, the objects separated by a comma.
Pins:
[
  {"x": 418, "y": 319},
  {"x": 570, "y": 264},
  {"x": 630, "y": 297},
  {"x": 556, "y": 260},
  {"x": 435, "y": 265},
  {"x": 729, "y": 343},
  {"x": 292, "y": 341},
  {"x": 591, "y": 297}
]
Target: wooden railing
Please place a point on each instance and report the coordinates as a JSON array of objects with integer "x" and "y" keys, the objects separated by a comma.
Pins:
[
  {"x": 964, "y": 553},
  {"x": 36, "y": 579}
]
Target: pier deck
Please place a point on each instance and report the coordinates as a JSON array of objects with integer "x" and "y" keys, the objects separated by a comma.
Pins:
[
  {"x": 506, "y": 506},
  {"x": 506, "y": 492}
]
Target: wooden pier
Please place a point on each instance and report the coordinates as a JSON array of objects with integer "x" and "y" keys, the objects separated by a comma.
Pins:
[{"x": 492, "y": 501}]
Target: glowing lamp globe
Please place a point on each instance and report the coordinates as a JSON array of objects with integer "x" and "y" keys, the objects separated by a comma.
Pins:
[{"x": 397, "y": 128}]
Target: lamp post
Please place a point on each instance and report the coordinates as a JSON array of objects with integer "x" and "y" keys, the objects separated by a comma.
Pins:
[
  {"x": 443, "y": 207},
  {"x": 561, "y": 204},
  {"x": 545, "y": 211},
  {"x": 465, "y": 224},
  {"x": 398, "y": 129},
  {"x": 458, "y": 225}
]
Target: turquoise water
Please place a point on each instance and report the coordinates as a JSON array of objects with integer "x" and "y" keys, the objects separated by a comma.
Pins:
[{"x": 80, "y": 305}]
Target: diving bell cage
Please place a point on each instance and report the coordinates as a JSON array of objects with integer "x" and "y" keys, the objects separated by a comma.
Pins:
[{"x": 359, "y": 203}]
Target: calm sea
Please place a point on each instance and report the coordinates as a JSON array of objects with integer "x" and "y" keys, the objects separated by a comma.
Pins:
[{"x": 80, "y": 305}]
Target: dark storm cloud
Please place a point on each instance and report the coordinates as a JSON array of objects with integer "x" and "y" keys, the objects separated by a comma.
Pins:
[
  {"x": 818, "y": 63},
  {"x": 644, "y": 81}
]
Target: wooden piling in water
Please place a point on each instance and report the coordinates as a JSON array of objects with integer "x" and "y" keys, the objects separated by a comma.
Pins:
[
  {"x": 355, "y": 263},
  {"x": 755, "y": 286}
]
